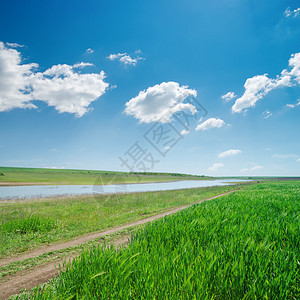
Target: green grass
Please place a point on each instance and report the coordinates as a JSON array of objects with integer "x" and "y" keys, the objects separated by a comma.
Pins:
[
  {"x": 30, "y": 224},
  {"x": 63, "y": 176},
  {"x": 244, "y": 245},
  {"x": 47, "y": 257}
]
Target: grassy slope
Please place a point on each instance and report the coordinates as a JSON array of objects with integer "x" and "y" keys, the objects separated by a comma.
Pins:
[
  {"x": 26, "y": 225},
  {"x": 61, "y": 176},
  {"x": 242, "y": 246}
]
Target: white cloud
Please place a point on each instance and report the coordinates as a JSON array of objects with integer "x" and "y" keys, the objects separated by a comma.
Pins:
[
  {"x": 14, "y": 45},
  {"x": 211, "y": 123},
  {"x": 298, "y": 160},
  {"x": 260, "y": 85},
  {"x": 229, "y": 96},
  {"x": 294, "y": 62},
  {"x": 158, "y": 103},
  {"x": 66, "y": 90},
  {"x": 59, "y": 86},
  {"x": 285, "y": 156},
  {"x": 184, "y": 132},
  {"x": 257, "y": 168},
  {"x": 256, "y": 88},
  {"x": 228, "y": 153},
  {"x": 82, "y": 65},
  {"x": 251, "y": 169},
  {"x": 267, "y": 114},
  {"x": 293, "y": 105},
  {"x": 292, "y": 13},
  {"x": 89, "y": 51},
  {"x": 14, "y": 88},
  {"x": 125, "y": 58},
  {"x": 215, "y": 167}
]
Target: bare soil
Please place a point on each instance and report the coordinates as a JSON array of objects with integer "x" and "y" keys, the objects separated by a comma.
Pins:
[{"x": 43, "y": 273}]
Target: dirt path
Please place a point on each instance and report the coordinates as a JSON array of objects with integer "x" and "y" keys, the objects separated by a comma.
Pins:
[
  {"x": 40, "y": 274},
  {"x": 43, "y": 273}
]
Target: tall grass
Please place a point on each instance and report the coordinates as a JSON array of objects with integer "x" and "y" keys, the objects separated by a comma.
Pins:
[
  {"x": 31, "y": 223},
  {"x": 19, "y": 234},
  {"x": 242, "y": 246},
  {"x": 80, "y": 215}
]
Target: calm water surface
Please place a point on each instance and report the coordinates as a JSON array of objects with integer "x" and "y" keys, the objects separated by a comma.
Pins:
[{"x": 38, "y": 191}]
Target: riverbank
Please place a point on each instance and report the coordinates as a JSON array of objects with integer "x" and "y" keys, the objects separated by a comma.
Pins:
[
  {"x": 12, "y": 193},
  {"x": 31, "y": 224},
  {"x": 36, "y": 267},
  {"x": 10, "y": 176},
  {"x": 205, "y": 244}
]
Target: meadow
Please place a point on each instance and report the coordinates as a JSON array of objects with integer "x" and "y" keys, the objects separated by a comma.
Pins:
[
  {"x": 29, "y": 224},
  {"x": 244, "y": 245},
  {"x": 65, "y": 176}
]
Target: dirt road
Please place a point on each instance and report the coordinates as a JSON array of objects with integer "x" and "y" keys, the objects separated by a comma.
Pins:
[{"x": 43, "y": 273}]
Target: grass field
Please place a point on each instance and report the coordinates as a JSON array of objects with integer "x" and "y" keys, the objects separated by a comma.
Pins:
[
  {"x": 244, "y": 245},
  {"x": 30, "y": 224},
  {"x": 62, "y": 176}
]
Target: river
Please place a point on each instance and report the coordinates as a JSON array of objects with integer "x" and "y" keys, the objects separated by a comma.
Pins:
[{"x": 42, "y": 191}]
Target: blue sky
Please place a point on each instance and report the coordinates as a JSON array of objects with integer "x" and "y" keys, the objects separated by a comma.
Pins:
[{"x": 81, "y": 83}]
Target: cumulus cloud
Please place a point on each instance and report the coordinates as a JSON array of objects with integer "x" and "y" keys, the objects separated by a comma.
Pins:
[
  {"x": 256, "y": 88},
  {"x": 292, "y": 13},
  {"x": 267, "y": 114},
  {"x": 293, "y": 105},
  {"x": 294, "y": 63},
  {"x": 215, "y": 167},
  {"x": 67, "y": 90},
  {"x": 89, "y": 51},
  {"x": 210, "y": 123},
  {"x": 228, "y": 153},
  {"x": 14, "y": 86},
  {"x": 251, "y": 169},
  {"x": 298, "y": 160},
  {"x": 125, "y": 58},
  {"x": 158, "y": 103},
  {"x": 260, "y": 85},
  {"x": 229, "y": 96},
  {"x": 61, "y": 86}
]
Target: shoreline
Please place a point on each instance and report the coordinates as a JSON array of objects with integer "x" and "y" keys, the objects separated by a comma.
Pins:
[
  {"x": 90, "y": 195},
  {"x": 10, "y": 183}
]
